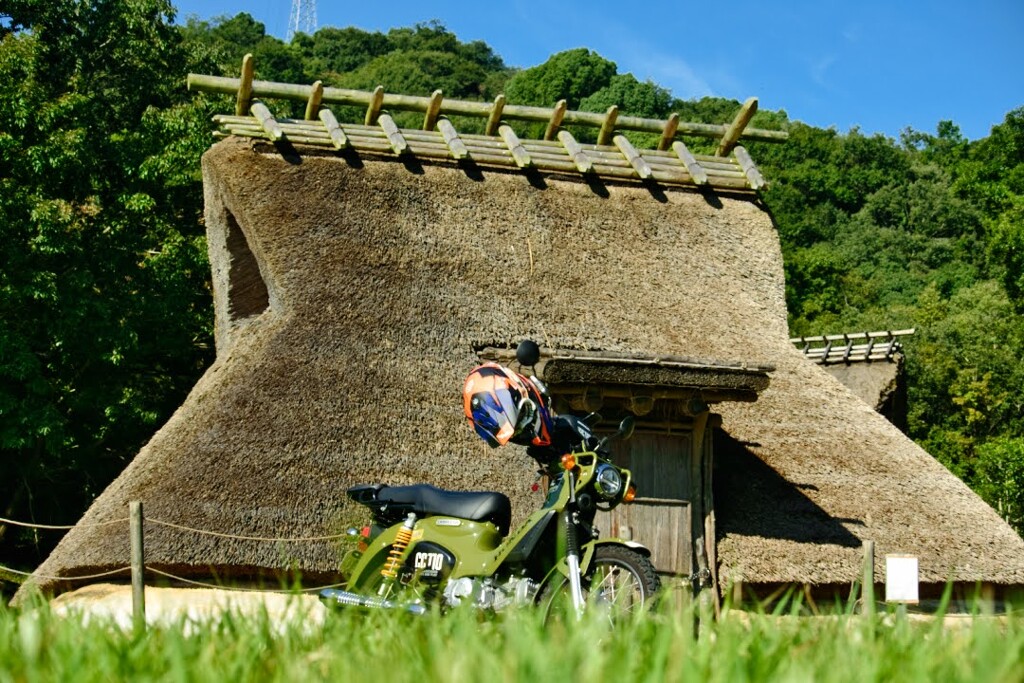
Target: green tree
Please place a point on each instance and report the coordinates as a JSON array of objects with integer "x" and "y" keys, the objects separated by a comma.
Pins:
[
  {"x": 1001, "y": 478},
  {"x": 103, "y": 284},
  {"x": 571, "y": 75}
]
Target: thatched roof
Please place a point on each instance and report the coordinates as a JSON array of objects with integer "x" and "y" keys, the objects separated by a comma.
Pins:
[
  {"x": 353, "y": 295},
  {"x": 810, "y": 471}
]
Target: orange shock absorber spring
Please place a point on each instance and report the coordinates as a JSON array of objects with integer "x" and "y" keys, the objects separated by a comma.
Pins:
[{"x": 401, "y": 542}]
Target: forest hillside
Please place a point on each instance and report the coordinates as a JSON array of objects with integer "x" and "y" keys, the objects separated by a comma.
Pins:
[{"x": 104, "y": 283}]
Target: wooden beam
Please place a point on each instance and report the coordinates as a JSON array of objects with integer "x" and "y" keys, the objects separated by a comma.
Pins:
[
  {"x": 556, "y": 120},
  {"x": 576, "y": 153},
  {"x": 632, "y": 156},
  {"x": 267, "y": 121},
  {"x": 608, "y": 125},
  {"x": 668, "y": 134},
  {"x": 754, "y": 176},
  {"x": 735, "y": 129},
  {"x": 519, "y": 153},
  {"x": 433, "y": 109},
  {"x": 245, "y": 87},
  {"x": 373, "y": 108},
  {"x": 395, "y": 137},
  {"x": 313, "y": 103},
  {"x": 452, "y": 139},
  {"x": 494, "y": 119},
  {"x": 338, "y": 137},
  {"x": 397, "y": 102},
  {"x": 700, "y": 177}
]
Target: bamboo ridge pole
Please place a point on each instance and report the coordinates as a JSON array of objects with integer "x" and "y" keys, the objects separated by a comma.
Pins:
[{"x": 449, "y": 107}]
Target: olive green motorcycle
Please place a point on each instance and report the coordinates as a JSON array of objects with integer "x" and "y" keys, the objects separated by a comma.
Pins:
[{"x": 427, "y": 547}]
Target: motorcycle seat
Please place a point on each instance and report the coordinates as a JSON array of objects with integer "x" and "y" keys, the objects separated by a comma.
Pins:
[{"x": 426, "y": 500}]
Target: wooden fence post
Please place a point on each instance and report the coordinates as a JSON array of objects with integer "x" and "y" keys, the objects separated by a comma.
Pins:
[
  {"x": 138, "y": 565},
  {"x": 867, "y": 588}
]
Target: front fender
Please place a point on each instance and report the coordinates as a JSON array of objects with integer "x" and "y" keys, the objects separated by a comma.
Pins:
[{"x": 587, "y": 555}]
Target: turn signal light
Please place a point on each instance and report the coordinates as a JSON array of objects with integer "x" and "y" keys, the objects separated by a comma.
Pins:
[
  {"x": 364, "y": 535},
  {"x": 630, "y": 494},
  {"x": 568, "y": 461}
]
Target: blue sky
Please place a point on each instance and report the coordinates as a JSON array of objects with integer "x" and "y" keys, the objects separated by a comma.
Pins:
[{"x": 880, "y": 66}]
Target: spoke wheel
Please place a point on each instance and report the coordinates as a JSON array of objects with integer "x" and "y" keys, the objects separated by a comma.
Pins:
[{"x": 618, "y": 584}]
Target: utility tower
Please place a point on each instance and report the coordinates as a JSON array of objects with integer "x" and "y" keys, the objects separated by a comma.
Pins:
[{"x": 302, "y": 18}]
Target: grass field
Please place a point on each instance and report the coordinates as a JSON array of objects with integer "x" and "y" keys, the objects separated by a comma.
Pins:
[{"x": 666, "y": 645}]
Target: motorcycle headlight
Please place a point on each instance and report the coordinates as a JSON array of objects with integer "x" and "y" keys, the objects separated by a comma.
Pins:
[{"x": 608, "y": 481}]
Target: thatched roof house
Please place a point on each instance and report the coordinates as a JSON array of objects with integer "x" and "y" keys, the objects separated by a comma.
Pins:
[
  {"x": 870, "y": 364},
  {"x": 354, "y": 292}
]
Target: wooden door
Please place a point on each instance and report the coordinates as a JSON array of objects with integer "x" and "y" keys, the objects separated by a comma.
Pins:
[{"x": 660, "y": 517}]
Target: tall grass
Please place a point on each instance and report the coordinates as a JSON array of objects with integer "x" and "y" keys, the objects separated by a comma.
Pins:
[{"x": 666, "y": 645}]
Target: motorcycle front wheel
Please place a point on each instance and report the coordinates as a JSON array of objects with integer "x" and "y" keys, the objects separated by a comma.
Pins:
[{"x": 618, "y": 584}]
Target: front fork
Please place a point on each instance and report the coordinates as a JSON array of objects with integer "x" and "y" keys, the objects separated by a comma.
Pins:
[{"x": 572, "y": 547}]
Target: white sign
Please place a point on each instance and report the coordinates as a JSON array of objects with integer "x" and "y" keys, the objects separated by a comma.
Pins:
[{"x": 901, "y": 581}]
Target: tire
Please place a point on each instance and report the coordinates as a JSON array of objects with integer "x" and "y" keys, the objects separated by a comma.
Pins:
[{"x": 619, "y": 582}]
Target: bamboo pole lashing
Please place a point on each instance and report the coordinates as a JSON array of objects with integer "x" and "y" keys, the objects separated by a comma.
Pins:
[
  {"x": 668, "y": 134},
  {"x": 344, "y": 96},
  {"x": 515, "y": 146},
  {"x": 266, "y": 120},
  {"x": 641, "y": 167},
  {"x": 374, "y": 106},
  {"x": 494, "y": 118},
  {"x": 722, "y": 164},
  {"x": 337, "y": 135},
  {"x": 747, "y": 164},
  {"x": 244, "y": 90},
  {"x": 576, "y": 153},
  {"x": 698, "y": 174},
  {"x": 395, "y": 137},
  {"x": 316, "y": 95},
  {"x": 557, "y": 114},
  {"x": 433, "y": 110},
  {"x": 451, "y": 138},
  {"x": 622, "y": 170},
  {"x": 613, "y": 166},
  {"x": 608, "y": 125},
  {"x": 735, "y": 129},
  {"x": 506, "y": 159}
]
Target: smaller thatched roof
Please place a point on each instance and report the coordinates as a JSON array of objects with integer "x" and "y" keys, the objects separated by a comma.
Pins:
[{"x": 809, "y": 472}]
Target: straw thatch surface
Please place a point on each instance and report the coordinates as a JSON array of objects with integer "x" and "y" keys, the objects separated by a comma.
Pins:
[
  {"x": 382, "y": 282},
  {"x": 810, "y": 471},
  {"x": 874, "y": 383},
  {"x": 383, "y": 279},
  {"x": 880, "y": 384}
]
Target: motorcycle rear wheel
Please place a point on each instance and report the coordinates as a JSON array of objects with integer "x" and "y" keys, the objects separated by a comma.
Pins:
[{"x": 620, "y": 582}]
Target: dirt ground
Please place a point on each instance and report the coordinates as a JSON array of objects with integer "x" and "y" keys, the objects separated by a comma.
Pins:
[{"x": 173, "y": 606}]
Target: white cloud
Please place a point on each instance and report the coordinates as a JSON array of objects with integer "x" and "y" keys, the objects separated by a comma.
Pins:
[
  {"x": 673, "y": 73},
  {"x": 819, "y": 70}
]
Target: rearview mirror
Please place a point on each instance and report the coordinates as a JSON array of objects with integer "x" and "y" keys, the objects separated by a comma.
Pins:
[
  {"x": 528, "y": 353},
  {"x": 627, "y": 426}
]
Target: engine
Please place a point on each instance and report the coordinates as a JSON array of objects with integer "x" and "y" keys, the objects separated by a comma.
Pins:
[{"x": 490, "y": 595}]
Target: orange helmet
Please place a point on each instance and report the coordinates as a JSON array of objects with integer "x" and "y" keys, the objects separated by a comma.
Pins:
[{"x": 499, "y": 405}]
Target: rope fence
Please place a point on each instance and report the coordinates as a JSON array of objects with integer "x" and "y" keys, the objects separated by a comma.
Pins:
[
  {"x": 46, "y": 577},
  {"x": 62, "y": 527},
  {"x": 138, "y": 567},
  {"x": 180, "y": 527},
  {"x": 204, "y": 584},
  {"x": 263, "y": 539}
]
